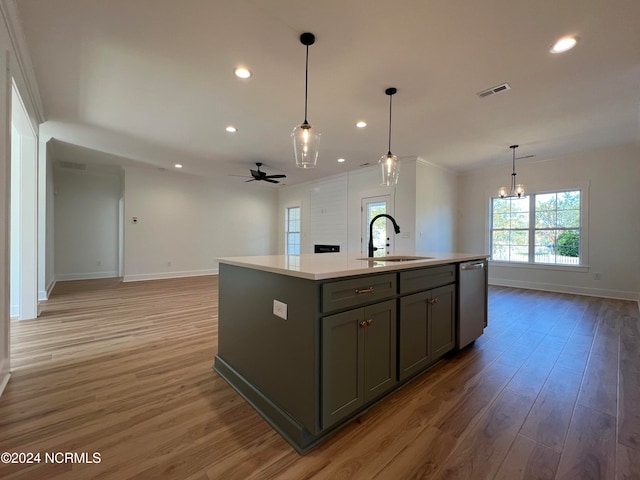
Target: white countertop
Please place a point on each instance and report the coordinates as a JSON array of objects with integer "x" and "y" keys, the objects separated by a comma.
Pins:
[{"x": 323, "y": 266}]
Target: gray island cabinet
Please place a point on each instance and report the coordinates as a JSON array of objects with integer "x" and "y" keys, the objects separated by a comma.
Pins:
[{"x": 312, "y": 341}]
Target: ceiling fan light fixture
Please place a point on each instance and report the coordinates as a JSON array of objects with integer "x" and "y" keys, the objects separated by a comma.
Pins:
[
  {"x": 306, "y": 139},
  {"x": 389, "y": 163}
]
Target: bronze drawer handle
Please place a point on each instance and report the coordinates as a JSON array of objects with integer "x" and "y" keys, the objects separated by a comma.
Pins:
[
  {"x": 364, "y": 290},
  {"x": 434, "y": 301},
  {"x": 363, "y": 324},
  {"x": 370, "y": 321}
]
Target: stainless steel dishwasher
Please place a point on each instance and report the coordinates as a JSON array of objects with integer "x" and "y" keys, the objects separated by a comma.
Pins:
[{"x": 472, "y": 301}]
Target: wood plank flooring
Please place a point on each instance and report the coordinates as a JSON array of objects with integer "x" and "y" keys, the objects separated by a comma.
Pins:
[{"x": 551, "y": 391}]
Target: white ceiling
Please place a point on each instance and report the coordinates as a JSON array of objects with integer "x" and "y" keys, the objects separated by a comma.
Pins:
[{"x": 151, "y": 81}]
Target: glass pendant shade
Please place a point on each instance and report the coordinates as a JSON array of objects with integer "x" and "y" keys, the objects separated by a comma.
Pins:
[
  {"x": 390, "y": 169},
  {"x": 306, "y": 145}
]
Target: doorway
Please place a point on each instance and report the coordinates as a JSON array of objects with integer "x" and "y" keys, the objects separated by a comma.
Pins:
[
  {"x": 382, "y": 233},
  {"x": 23, "y": 247}
]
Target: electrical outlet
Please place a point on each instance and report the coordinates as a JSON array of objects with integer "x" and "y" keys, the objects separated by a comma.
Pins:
[
  {"x": 279, "y": 309},
  {"x": 597, "y": 276},
  {"x": 168, "y": 264}
]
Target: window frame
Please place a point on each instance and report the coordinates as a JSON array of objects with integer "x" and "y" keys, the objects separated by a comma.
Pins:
[
  {"x": 287, "y": 232},
  {"x": 583, "y": 188}
]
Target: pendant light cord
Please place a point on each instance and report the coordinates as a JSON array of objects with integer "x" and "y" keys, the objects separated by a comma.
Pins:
[
  {"x": 306, "y": 85},
  {"x": 513, "y": 167},
  {"x": 390, "y": 98}
]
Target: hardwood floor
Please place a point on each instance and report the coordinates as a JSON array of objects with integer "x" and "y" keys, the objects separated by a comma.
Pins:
[{"x": 551, "y": 391}]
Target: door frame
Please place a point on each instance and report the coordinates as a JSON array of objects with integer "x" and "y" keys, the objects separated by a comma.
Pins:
[{"x": 374, "y": 197}]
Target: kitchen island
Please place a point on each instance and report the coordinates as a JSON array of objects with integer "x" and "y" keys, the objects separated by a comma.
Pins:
[{"x": 312, "y": 341}]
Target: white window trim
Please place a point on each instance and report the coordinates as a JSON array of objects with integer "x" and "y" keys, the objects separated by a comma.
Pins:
[
  {"x": 584, "y": 187},
  {"x": 286, "y": 226}
]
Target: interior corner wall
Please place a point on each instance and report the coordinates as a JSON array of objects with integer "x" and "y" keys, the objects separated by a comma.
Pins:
[
  {"x": 436, "y": 209},
  {"x": 49, "y": 227},
  {"x": 86, "y": 228},
  {"x": 46, "y": 272},
  {"x": 184, "y": 223},
  {"x": 614, "y": 223}
]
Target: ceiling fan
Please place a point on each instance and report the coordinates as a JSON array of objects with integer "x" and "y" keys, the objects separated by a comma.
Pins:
[{"x": 260, "y": 175}]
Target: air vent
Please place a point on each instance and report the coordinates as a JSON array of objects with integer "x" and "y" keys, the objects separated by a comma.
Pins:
[
  {"x": 493, "y": 90},
  {"x": 73, "y": 165}
]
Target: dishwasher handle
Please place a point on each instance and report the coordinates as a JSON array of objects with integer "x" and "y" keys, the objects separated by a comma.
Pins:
[{"x": 472, "y": 266}]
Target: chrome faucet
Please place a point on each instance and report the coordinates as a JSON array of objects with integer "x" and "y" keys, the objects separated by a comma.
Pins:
[{"x": 395, "y": 227}]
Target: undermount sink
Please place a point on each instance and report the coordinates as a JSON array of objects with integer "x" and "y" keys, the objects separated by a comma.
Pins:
[{"x": 394, "y": 258}]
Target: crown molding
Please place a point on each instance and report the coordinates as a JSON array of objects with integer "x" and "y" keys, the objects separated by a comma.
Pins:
[
  {"x": 422, "y": 161},
  {"x": 11, "y": 17}
]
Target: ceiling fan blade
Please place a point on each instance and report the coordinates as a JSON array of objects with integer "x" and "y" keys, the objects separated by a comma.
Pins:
[
  {"x": 251, "y": 180},
  {"x": 270, "y": 181},
  {"x": 276, "y": 176}
]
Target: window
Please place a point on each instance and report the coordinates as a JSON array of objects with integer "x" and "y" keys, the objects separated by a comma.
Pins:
[
  {"x": 542, "y": 228},
  {"x": 292, "y": 231}
]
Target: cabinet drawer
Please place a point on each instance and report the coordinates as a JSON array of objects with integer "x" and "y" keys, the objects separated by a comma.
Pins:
[
  {"x": 357, "y": 291},
  {"x": 426, "y": 278}
]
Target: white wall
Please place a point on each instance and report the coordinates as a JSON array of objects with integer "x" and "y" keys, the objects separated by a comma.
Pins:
[
  {"x": 49, "y": 224},
  {"x": 331, "y": 208},
  {"x": 328, "y": 213},
  {"x": 436, "y": 209},
  {"x": 86, "y": 228},
  {"x": 189, "y": 222},
  {"x": 614, "y": 221}
]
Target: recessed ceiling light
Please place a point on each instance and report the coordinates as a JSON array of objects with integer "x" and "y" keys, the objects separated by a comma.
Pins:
[
  {"x": 177, "y": 165},
  {"x": 231, "y": 129},
  {"x": 361, "y": 124},
  {"x": 564, "y": 44},
  {"x": 341, "y": 160},
  {"x": 242, "y": 72}
]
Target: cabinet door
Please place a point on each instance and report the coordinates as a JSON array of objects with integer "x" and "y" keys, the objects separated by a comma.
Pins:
[
  {"x": 342, "y": 362},
  {"x": 443, "y": 334},
  {"x": 379, "y": 349},
  {"x": 414, "y": 344}
]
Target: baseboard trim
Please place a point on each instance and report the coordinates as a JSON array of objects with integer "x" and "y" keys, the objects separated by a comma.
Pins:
[
  {"x": 84, "y": 276},
  {"x": 557, "y": 288},
  {"x": 43, "y": 295},
  {"x": 159, "y": 276}
]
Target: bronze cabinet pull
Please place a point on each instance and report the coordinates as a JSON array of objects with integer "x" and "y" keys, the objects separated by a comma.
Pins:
[
  {"x": 364, "y": 290},
  {"x": 363, "y": 324}
]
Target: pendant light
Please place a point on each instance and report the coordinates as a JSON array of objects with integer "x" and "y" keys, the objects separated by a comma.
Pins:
[
  {"x": 517, "y": 190},
  {"x": 306, "y": 139},
  {"x": 389, "y": 164}
]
